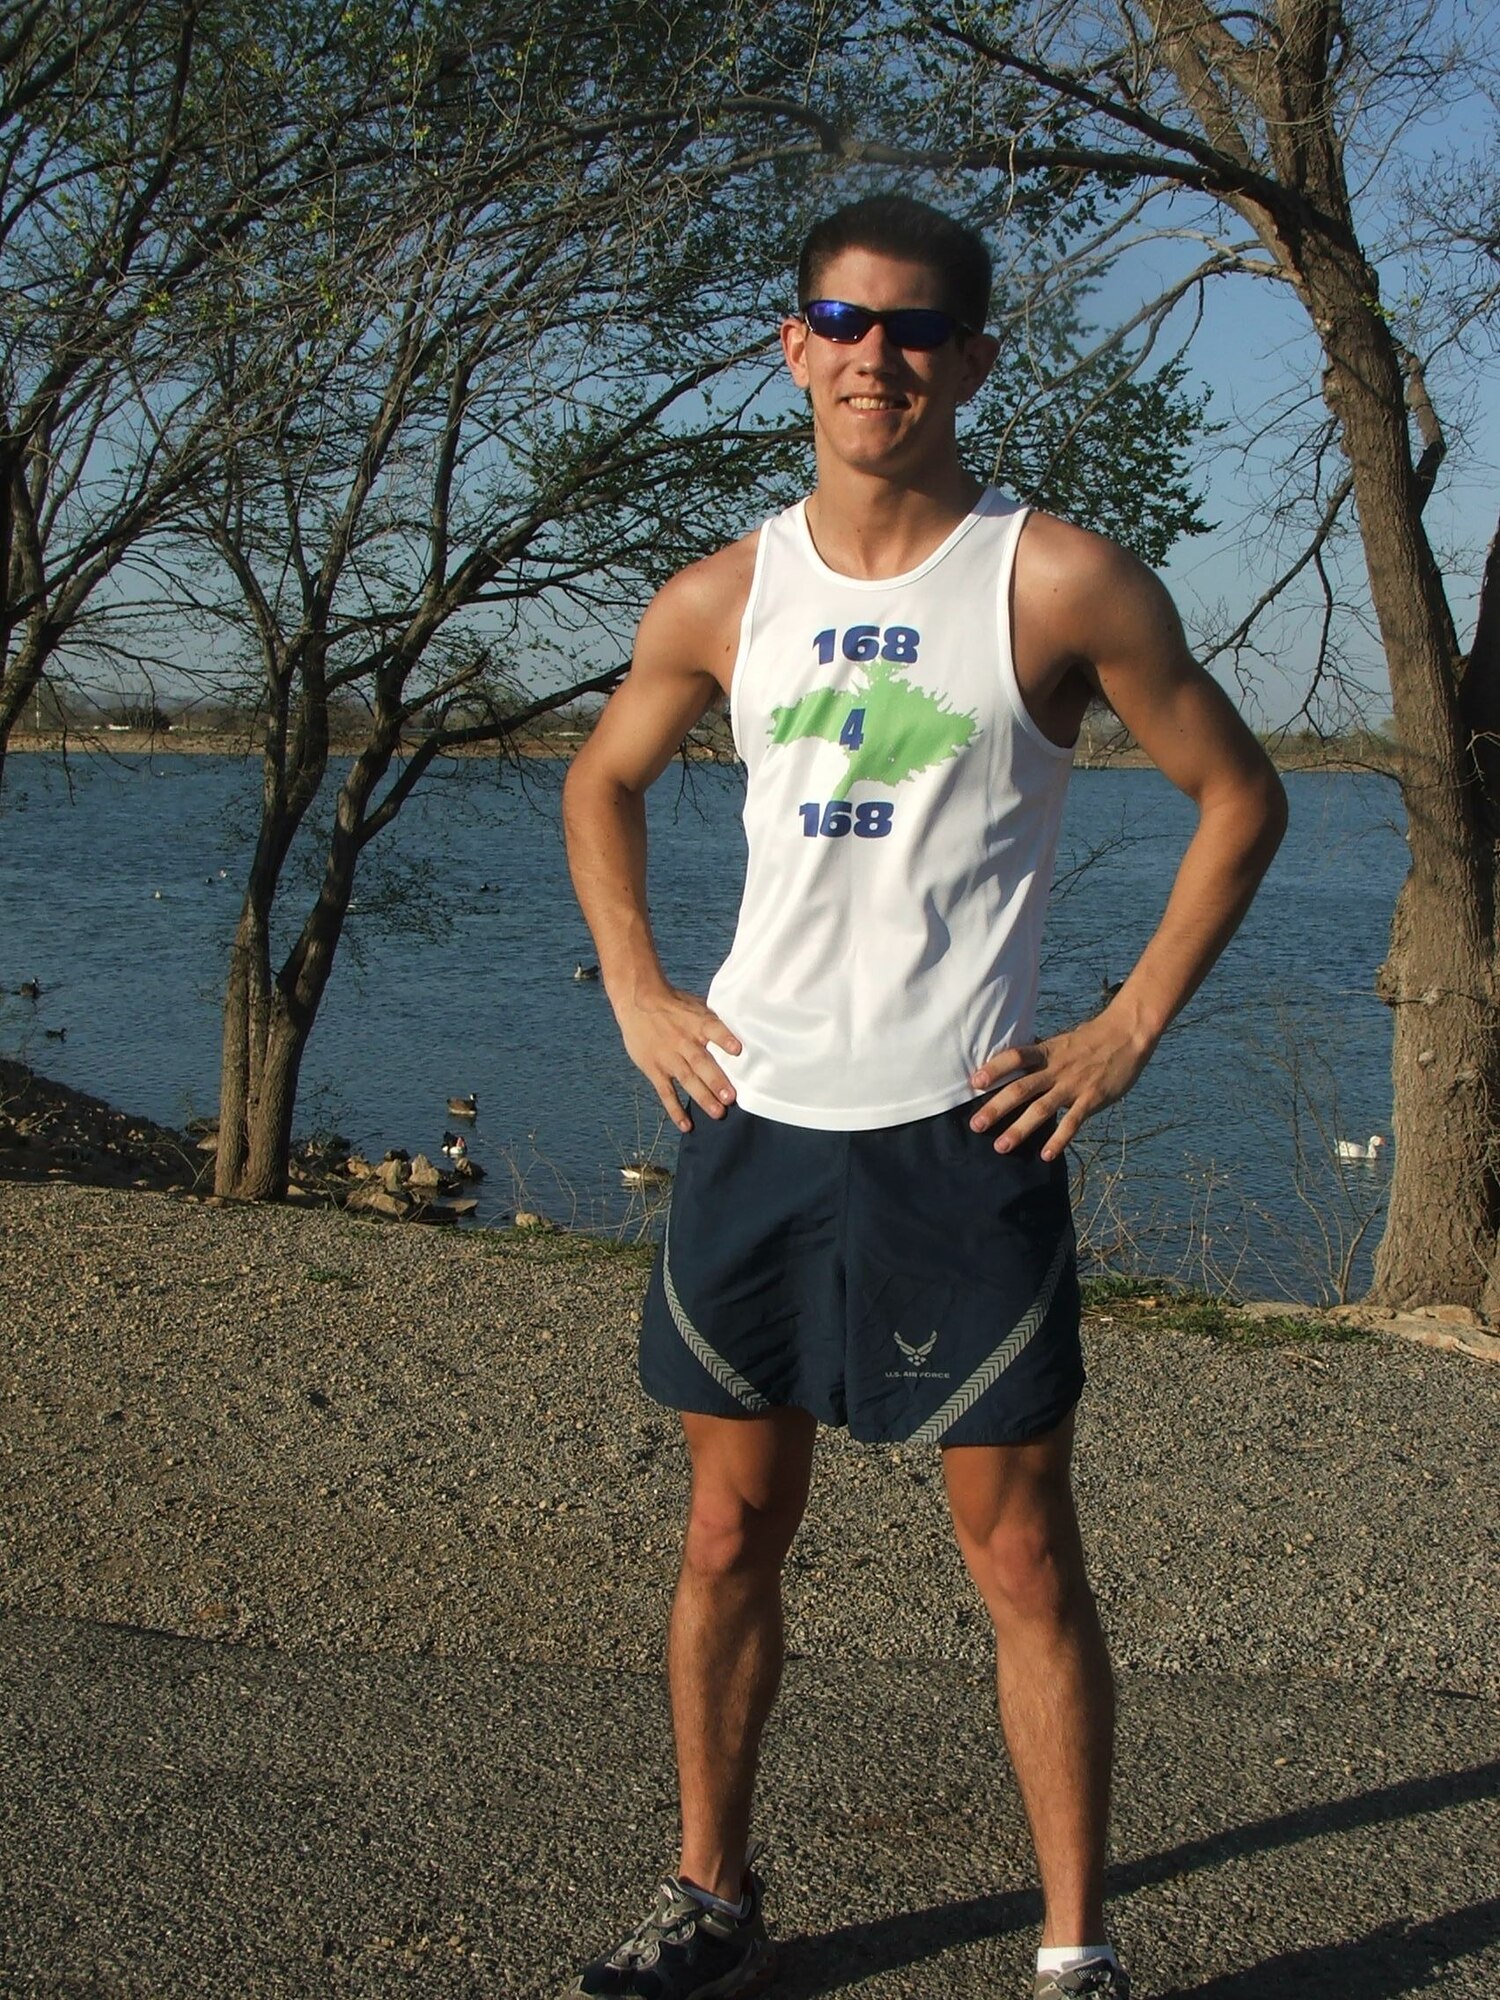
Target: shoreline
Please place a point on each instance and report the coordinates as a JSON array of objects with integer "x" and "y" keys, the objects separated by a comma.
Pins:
[
  {"x": 560, "y": 748},
  {"x": 52, "y": 1134},
  {"x": 224, "y": 743}
]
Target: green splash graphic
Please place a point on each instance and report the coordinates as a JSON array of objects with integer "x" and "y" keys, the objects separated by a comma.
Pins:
[{"x": 906, "y": 728}]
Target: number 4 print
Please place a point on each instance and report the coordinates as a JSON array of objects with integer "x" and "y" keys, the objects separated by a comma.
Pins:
[{"x": 852, "y": 735}]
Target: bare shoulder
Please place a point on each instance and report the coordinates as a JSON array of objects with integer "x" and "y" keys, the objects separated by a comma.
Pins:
[
  {"x": 693, "y": 622},
  {"x": 1085, "y": 597},
  {"x": 683, "y": 660},
  {"x": 1102, "y": 621},
  {"x": 1065, "y": 553}
]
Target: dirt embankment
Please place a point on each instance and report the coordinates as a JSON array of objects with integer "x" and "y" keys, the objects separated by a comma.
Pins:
[{"x": 51, "y": 1133}]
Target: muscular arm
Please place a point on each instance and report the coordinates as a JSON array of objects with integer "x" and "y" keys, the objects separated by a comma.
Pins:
[
  {"x": 1096, "y": 611},
  {"x": 683, "y": 656}
]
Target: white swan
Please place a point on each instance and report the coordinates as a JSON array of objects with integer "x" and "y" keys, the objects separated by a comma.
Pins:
[{"x": 1349, "y": 1149}]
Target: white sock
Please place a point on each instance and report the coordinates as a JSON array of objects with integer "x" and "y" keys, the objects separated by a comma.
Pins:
[{"x": 1063, "y": 1957}]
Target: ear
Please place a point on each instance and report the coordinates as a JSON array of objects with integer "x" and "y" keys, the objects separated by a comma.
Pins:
[
  {"x": 794, "y": 347},
  {"x": 978, "y": 358}
]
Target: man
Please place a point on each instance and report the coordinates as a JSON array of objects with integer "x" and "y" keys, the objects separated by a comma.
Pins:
[{"x": 870, "y": 1223}]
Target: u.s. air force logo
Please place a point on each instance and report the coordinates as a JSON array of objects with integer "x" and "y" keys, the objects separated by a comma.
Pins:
[{"x": 916, "y": 1358}]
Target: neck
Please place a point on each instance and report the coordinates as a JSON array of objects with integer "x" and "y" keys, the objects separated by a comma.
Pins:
[{"x": 865, "y": 525}]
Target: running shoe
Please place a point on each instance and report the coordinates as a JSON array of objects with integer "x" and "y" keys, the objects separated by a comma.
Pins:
[
  {"x": 1095, "y": 1979},
  {"x": 685, "y": 1951}
]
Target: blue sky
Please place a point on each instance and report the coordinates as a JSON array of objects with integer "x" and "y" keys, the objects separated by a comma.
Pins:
[
  {"x": 1256, "y": 355},
  {"x": 1256, "y": 358}
]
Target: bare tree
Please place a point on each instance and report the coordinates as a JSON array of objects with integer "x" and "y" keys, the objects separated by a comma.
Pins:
[
  {"x": 471, "y": 412},
  {"x": 478, "y": 405},
  {"x": 1288, "y": 123},
  {"x": 407, "y": 348},
  {"x": 142, "y": 145}
]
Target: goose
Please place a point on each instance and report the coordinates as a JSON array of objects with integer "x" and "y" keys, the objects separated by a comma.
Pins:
[
  {"x": 55, "y": 1034},
  {"x": 455, "y": 1145},
  {"x": 1349, "y": 1149},
  {"x": 582, "y": 971},
  {"x": 645, "y": 1173},
  {"x": 463, "y": 1107},
  {"x": 30, "y": 989}
]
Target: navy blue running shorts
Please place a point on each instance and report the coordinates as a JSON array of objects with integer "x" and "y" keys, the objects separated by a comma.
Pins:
[{"x": 910, "y": 1283}]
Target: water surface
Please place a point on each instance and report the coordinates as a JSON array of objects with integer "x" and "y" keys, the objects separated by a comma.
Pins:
[{"x": 119, "y": 888}]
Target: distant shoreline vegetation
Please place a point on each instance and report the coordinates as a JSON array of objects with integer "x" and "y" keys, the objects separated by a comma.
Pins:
[{"x": 1101, "y": 747}]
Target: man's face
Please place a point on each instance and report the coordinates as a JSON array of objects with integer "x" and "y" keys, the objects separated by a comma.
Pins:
[{"x": 876, "y": 406}]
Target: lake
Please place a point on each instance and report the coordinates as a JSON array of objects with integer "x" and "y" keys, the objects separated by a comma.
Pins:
[{"x": 119, "y": 890}]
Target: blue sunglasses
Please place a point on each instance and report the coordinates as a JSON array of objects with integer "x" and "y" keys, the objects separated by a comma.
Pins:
[{"x": 921, "y": 328}]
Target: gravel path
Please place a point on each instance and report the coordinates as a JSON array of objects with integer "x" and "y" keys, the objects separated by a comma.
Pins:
[
  {"x": 345, "y": 1445},
  {"x": 305, "y": 1431},
  {"x": 188, "y": 1821}
]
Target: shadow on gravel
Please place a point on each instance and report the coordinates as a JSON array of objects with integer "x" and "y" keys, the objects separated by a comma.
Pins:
[
  {"x": 1379, "y": 1965},
  {"x": 828, "y": 1961},
  {"x": 1406, "y": 1800}
]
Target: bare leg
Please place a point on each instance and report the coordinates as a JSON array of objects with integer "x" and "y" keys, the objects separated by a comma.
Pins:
[
  {"x": 1013, "y": 1514},
  {"x": 750, "y": 1480}
]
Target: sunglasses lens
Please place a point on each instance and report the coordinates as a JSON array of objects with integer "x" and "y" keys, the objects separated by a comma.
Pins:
[
  {"x": 831, "y": 319},
  {"x": 917, "y": 327},
  {"x": 920, "y": 328}
]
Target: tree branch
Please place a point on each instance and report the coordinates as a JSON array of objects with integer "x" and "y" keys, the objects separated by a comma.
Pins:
[
  {"x": 496, "y": 731},
  {"x": 1312, "y": 553},
  {"x": 1429, "y": 429}
]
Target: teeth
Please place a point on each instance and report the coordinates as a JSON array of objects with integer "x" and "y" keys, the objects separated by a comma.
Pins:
[{"x": 873, "y": 403}]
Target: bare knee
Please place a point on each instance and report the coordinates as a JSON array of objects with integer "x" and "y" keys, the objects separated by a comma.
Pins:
[
  {"x": 728, "y": 1535},
  {"x": 1029, "y": 1570},
  {"x": 750, "y": 1483}
]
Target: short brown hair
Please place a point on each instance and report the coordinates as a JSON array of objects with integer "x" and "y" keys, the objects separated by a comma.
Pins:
[{"x": 897, "y": 225}]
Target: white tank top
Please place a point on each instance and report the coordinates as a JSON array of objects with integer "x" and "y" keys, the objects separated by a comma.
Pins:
[{"x": 902, "y": 812}]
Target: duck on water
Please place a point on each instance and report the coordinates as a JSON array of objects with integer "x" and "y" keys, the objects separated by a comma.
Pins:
[{"x": 1350, "y": 1149}]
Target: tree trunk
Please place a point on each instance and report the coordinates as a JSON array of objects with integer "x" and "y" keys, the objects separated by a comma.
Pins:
[
  {"x": 24, "y": 577},
  {"x": 19, "y": 678},
  {"x": 265, "y": 1034},
  {"x": 1439, "y": 1241},
  {"x": 1438, "y": 978},
  {"x": 266, "y": 1028},
  {"x": 249, "y": 1010},
  {"x": 267, "y": 1022},
  {"x": 264, "y": 1177}
]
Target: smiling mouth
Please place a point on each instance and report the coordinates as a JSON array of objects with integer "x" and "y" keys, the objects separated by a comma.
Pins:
[{"x": 876, "y": 402}]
